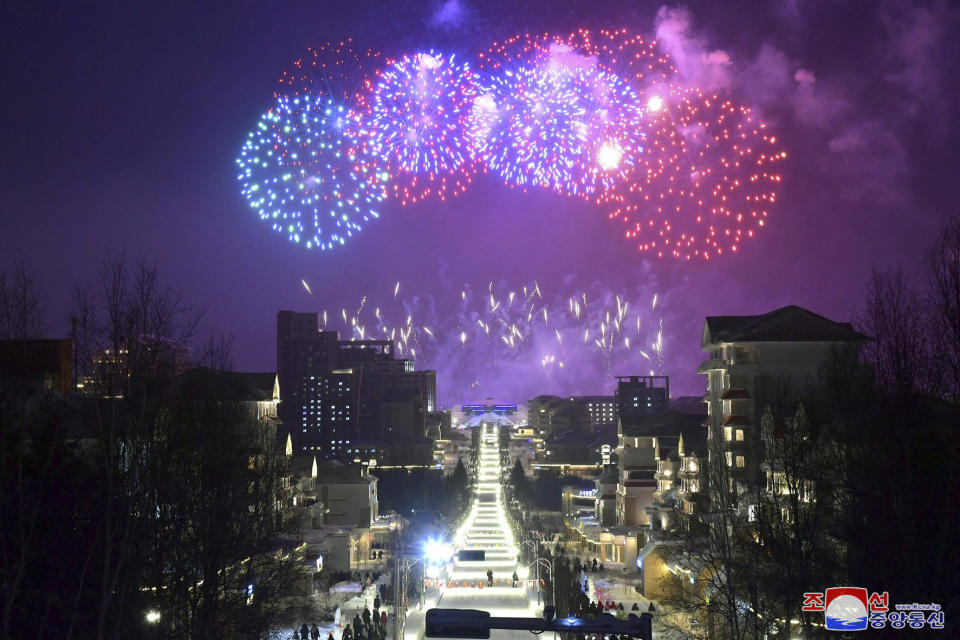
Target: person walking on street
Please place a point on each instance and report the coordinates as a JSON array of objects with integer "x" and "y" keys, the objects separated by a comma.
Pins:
[
  {"x": 376, "y": 603},
  {"x": 347, "y": 633},
  {"x": 330, "y": 636},
  {"x": 357, "y": 623},
  {"x": 516, "y": 579},
  {"x": 383, "y": 618},
  {"x": 489, "y": 577},
  {"x": 366, "y": 618},
  {"x": 305, "y": 632},
  {"x": 315, "y": 632}
]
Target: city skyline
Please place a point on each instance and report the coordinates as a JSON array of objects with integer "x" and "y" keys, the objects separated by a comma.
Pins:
[{"x": 149, "y": 170}]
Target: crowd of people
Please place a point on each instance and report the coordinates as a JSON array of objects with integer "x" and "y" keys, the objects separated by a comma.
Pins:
[{"x": 364, "y": 626}]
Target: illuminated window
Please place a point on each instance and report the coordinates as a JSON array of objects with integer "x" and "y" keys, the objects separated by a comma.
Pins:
[
  {"x": 739, "y": 435},
  {"x": 728, "y": 433},
  {"x": 729, "y": 459},
  {"x": 741, "y": 462}
]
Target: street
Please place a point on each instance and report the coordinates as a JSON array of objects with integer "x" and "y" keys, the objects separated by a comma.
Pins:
[{"x": 486, "y": 529}]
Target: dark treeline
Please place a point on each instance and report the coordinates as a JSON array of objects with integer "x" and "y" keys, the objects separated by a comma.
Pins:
[
  {"x": 144, "y": 497},
  {"x": 545, "y": 491},
  {"x": 424, "y": 492}
]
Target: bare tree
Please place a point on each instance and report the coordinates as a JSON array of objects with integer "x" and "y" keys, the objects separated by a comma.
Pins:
[
  {"x": 795, "y": 520},
  {"x": 717, "y": 578},
  {"x": 131, "y": 333},
  {"x": 130, "y": 328},
  {"x": 893, "y": 315},
  {"x": 21, "y": 316},
  {"x": 943, "y": 263},
  {"x": 214, "y": 485}
]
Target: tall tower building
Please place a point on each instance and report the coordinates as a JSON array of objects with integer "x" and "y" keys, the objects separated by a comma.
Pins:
[
  {"x": 312, "y": 400},
  {"x": 332, "y": 390}
]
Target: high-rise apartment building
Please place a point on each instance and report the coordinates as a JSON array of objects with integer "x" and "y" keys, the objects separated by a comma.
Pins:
[{"x": 331, "y": 389}]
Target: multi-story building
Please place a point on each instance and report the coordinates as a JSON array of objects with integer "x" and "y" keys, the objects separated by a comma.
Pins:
[
  {"x": 692, "y": 494},
  {"x": 311, "y": 395},
  {"x": 601, "y": 409},
  {"x": 605, "y": 496},
  {"x": 635, "y": 482},
  {"x": 548, "y": 415},
  {"x": 679, "y": 477},
  {"x": 402, "y": 416},
  {"x": 756, "y": 362},
  {"x": 257, "y": 393},
  {"x": 639, "y": 397},
  {"x": 334, "y": 391},
  {"x": 350, "y": 497}
]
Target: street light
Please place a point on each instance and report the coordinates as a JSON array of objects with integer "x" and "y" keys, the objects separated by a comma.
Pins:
[
  {"x": 437, "y": 552},
  {"x": 153, "y": 616},
  {"x": 548, "y": 565},
  {"x": 533, "y": 546}
]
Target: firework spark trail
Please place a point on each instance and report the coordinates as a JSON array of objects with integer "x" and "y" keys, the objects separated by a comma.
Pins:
[{"x": 490, "y": 335}]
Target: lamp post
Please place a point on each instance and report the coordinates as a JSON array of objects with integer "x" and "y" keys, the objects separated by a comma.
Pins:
[
  {"x": 548, "y": 565},
  {"x": 533, "y": 546},
  {"x": 401, "y": 574}
]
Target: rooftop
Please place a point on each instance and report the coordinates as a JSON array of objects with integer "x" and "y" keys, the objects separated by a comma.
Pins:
[
  {"x": 669, "y": 423},
  {"x": 787, "y": 324}
]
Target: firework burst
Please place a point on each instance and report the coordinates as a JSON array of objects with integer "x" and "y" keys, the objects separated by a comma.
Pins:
[
  {"x": 338, "y": 70},
  {"x": 417, "y": 109},
  {"x": 305, "y": 172},
  {"x": 597, "y": 114},
  {"x": 638, "y": 61},
  {"x": 710, "y": 183},
  {"x": 548, "y": 117}
]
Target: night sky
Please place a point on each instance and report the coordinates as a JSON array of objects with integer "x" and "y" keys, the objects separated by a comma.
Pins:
[{"x": 121, "y": 123}]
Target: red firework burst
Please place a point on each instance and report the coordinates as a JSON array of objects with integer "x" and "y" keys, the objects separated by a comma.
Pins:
[{"x": 706, "y": 183}]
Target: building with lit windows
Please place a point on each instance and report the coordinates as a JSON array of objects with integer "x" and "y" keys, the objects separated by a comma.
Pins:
[
  {"x": 639, "y": 397},
  {"x": 335, "y": 393},
  {"x": 756, "y": 362},
  {"x": 601, "y": 409}
]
